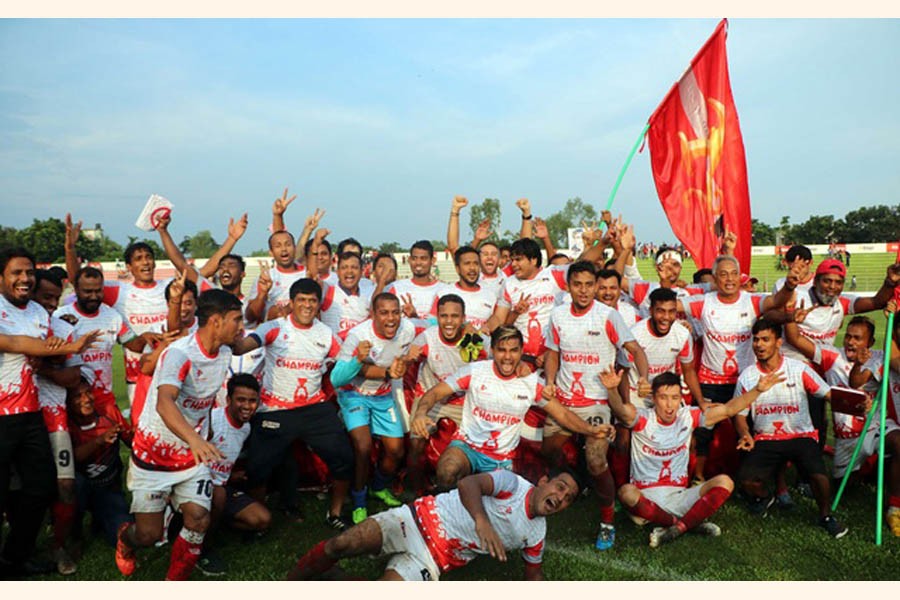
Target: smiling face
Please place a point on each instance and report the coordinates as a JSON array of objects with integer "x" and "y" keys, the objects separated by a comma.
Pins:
[
  {"x": 583, "y": 287},
  {"x": 856, "y": 337},
  {"x": 608, "y": 291},
  {"x": 450, "y": 321},
  {"x": 304, "y": 308},
  {"x": 829, "y": 287},
  {"x": 282, "y": 249},
  {"x": 766, "y": 345},
  {"x": 728, "y": 279},
  {"x": 142, "y": 266},
  {"x": 230, "y": 273},
  {"x": 507, "y": 355},
  {"x": 80, "y": 402},
  {"x": 524, "y": 267},
  {"x": 490, "y": 259},
  {"x": 553, "y": 495},
  {"x": 89, "y": 294},
  {"x": 322, "y": 260},
  {"x": 188, "y": 308},
  {"x": 47, "y": 295},
  {"x": 662, "y": 315},
  {"x": 349, "y": 272},
  {"x": 666, "y": 402},
  {"x": 468, "y": 269},
  {"x": 242, "y": 404},
  {"x": 386, "y": 317},
  {"x": 18, "y": 280},
  {"x": 420, "y": 263}
]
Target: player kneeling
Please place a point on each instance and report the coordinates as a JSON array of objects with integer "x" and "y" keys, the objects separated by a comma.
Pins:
[
  {"x": 660, "y": 444},
  {"x": 489, "y": 513}
]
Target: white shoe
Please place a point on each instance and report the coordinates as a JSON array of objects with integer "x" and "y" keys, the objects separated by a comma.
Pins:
[{"x": 709, "y": 529}]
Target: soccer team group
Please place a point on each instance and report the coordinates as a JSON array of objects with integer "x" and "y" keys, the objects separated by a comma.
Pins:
[{"x": 486, "y": 404}]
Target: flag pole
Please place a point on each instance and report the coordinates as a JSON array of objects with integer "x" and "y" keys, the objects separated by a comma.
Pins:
[
  {"x": 634, "y": 149},
  {"x": 856, "y": 449},
  {"x": 885, "y": 379}
]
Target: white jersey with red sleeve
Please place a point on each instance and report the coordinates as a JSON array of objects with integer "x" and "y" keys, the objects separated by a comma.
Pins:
[
  {"x": 51, "y": 396},
  {"x": 229, "y": 437},
  {"x": 663, "y": 352},
  {"x": 97, "y": 359},
  {"x": 198, "y": 376},
  {"x": 640, "y": 291},
  {"x": 296, "y": 359},
  {"x": 423, "y": 295},
  {"x": 18, "y": 390},
  {"x": 587, "y": 344},
  {"x": 493, "y": 284},
  {"x": 480, "y": 303},
  {"x": 541, "y": 291},
  {"x": 800, "y": 290},
  {"x": 382, "y": 354},
  {"x": 660, "y": 451},
  {"x": 834, "y": 364},
  {"x": 822, "y": 323},
  {"x": 782, "y": 412},
  {"x": 342, "y": 311},
  {"x": 142, "y": 307},
  {"x": 441, "y": 360},
  {"x": 628, "y": 311},
  {"x": 280, "y": 292},
  {"x": 449, "y": 531},
  {"x": 727, "y": 337},
  {"x": 495, "y": 407}
]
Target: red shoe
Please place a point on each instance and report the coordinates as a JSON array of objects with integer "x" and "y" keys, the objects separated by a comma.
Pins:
[{"x": 125, "y": 560}]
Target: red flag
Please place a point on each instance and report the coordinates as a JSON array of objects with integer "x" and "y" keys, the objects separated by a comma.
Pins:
[{"x": 697, "y": 157}]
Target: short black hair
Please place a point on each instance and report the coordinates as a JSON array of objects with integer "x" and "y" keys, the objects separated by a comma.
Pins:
[
  {"x": 242, "y": 380},
  {"x": 343, "y": 256},
  {"x": 698, "y": 276},
  {"x": 59, "y": 272},
  {"x": 462, "y": 251},
  {"x": 607, "y": 273},
  {"x": 189, "y": 286},
  {"x": 305, "y": 286},
  {"x": 423, "y": 245},
  {"x": 274, "y": 233},
  {"x": 215, "y": 302},
  {"x": 582, "y": 266},
  {"x": 348, "y": 242},
  {"x": 48, "y": 276},
  {"x": 764, "y": 324},
  {"x": 386, "y": 296},
  {"x": 489, "y": 243},
  {"x": 527, "y": 248},
  {"x": 309, "y": 243},
  {"x": 11, "y": 253},
  {"x": 134, "y": 247},
  {"x": 798, "y": 251},
  {"x": 90, "y": 273},
  {"x": 451, "y": 298},
  {"x": 867, "y": 322},
  {"x": 662, "y": 295},
  {"x": 555, "y": 472},
  {"x": 388, "y": 256},
  {"x": 236, "y": 257},
  {"x": 665, "y": 379}
]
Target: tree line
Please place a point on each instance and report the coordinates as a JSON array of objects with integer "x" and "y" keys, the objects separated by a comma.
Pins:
[{"x": 867, "y": 224}]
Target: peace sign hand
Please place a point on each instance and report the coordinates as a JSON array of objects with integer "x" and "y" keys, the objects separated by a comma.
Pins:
[{"x": 282, "y": 203}]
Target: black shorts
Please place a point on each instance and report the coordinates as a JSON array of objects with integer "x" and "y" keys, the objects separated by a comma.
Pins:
[
  {"x": 235, "y": 502},
  {"x": 766, "y": 456},
  {"x": 317, "y": 425},
  {"x": 720, "y": 393}
]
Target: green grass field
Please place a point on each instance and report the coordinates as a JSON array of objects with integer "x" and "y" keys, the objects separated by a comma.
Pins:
[{"x": 784, "y": 546}]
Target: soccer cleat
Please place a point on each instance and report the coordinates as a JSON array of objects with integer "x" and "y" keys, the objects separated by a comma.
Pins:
[
  {"x": 662, "y": 535},
  {"x": 785, "y": 502},
  {"x": 336, "y": 522},
  {"x": 360, "y": 514},
  {"x": 708, "y": 528},
  {"x": 835, "y": 528},
  {"x": 606, "y": 537},
  {"x": 760, "y": 506},
  {"x": 64, "y": 563},
  {"x": 385, "y": 495},
  {"x": 893, "y": 520},
  {"x": 125, "y": 560},
  {"x": 211, "y": 564}
]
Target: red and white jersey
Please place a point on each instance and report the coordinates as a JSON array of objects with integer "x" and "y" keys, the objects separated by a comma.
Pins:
[
  {"x": 587, "y": 344},
  {"x": 97, "y": 359},
  {"x": 727, "y": 337},
  {"x": 628, "y": 311},
  {"x": 800, "y": 290},
  {"x": 229, "y": 437},
  {"x": 480, "y": 303},
  {"x": 423, "y": 295},
  {"x": 296, "y": 359},
  {"x": 449, "y": 531},
  {"x": 342, "y": 311},
  {"x": 663, "y": 352},
  {"x": 541, "y": 290},
  {"x": 660, "y": 451},
  {"x": 493, "y": 284},
  {"x": 280, "y": 292},
  {"x": 782, "y": 412},
  {"x": 441, "y": 360},
  {"x": 18, "y": 390},
  {"x": 52, "y": 397},
  {"x": 198, "y": 376},
  {"x": 822, "y": 323},
  {"x": 494, "y": 407},
  {"x": 640, "y": 291},
  {"x": 382, "y": 354},
  {"x": 834, "y": 364}
]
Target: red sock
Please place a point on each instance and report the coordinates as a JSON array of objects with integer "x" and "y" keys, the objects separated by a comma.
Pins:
[
  {"x": 649, "y": 510},
  {"x": 708, "y": 503},
  {"x": 312, "y": 563},
  {"x": 185, "y": 554},
  {"x": 894, "y": 501},
  {"x": 63, "y": 516},
  {"x": 619, "y": 465}
]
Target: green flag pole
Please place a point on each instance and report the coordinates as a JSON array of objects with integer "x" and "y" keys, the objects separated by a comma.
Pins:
[
  {"x": 634, "y": 149},
  {"x": 856, "y": 449},
  {"x": 885, "y": 381}
]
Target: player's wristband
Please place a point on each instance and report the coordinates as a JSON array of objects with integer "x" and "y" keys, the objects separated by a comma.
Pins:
[{"x": 528, "y": 218}]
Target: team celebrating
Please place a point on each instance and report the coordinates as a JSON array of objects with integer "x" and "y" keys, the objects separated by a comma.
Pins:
[{"x": 447, "y": 419}]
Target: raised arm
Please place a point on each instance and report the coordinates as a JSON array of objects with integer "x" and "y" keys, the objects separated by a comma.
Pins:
[
  {"x": 458, "y": 203},
  {"x": 525, "y": 206},
  {"x": 885, "y": 293},
  {"x": 309, "y": 225},
  {"x": 542, "y": 233},
  {"x": 72, "y": 234},
  {"x": 278, "y": 207},
  {"x": 236, "y": 230},
  {"x": 718, "y": 412},
  {"x": 643, "y": 367},
  {"x": 626, "y": 413},
  {"x": 792, "y": 334},
  {"x": 32, "y": 346},
  {"x": 256, "y": 307}
]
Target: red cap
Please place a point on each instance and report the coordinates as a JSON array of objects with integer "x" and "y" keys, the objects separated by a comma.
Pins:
[
  {"x": 745, "y": 278},
  {"x": 831, "y": 266}
]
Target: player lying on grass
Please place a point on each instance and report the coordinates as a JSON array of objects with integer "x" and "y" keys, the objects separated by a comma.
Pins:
[
  {"x": 489, "y": 513},
  {"x": 660, "y": 445}
]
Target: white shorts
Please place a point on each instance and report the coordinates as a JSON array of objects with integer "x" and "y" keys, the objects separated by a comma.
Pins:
[
  {"x": 674, "y": 500},
  {"x": 152, "y": 490},
  {"x": 61, "y": 444},
  {"x": 403, "y": 542},
  {"x": 843, "y": 448},
  {"x": 595, "y": 414},
  {"x": 439, "y": 411}
]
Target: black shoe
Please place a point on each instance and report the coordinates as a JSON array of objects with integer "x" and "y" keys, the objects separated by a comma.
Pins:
[
  {"x": 835, "y": 528},
  {"x": 761, "y": 506},
  {"x": 212, "y": 564},
  {"x": 336, "y": 522}
]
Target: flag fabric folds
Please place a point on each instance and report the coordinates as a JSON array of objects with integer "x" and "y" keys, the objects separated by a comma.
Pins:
[{"x": 697, "y": 158}]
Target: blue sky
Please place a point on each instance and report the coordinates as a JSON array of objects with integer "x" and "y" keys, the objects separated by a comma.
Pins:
[{"x": 382, "y": 122}]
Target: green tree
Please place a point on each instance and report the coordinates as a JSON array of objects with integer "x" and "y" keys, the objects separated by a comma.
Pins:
[
  {"x": 871, "y": 224},
  {"x": 763, "y": 235},
  {"x": 45, "y": 239},
  {"x": 439, "y": 245},
  {"x": 158, "y": 252},
  {"x": 573, "y": 213},
  {"x": 200, "y": 245},
  {"x": 818, "y": 229},
  {"x": 260, "y": 252},
  {"x": 9, "y": 237},
  {"x": 488, "y": 209},
  {"x": 389, "y": 248}
]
